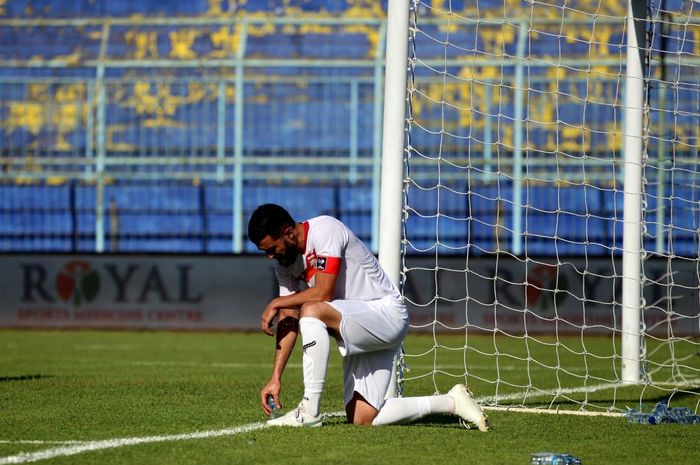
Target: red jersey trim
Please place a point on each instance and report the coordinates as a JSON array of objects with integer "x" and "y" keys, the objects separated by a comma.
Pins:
[{"x": 309, "y": 273}]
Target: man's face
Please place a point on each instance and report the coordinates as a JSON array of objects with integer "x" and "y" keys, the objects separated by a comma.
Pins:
[{"x": 282, "y": 249}]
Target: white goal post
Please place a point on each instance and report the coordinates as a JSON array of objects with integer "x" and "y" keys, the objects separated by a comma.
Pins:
[{"x": 540, "y": 199}]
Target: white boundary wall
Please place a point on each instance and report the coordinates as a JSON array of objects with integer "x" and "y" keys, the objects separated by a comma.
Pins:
[
  {"x": 134, "y": 291},
  {"x": 192, "y": 292}
]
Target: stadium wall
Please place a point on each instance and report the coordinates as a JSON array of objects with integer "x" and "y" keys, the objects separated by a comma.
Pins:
[
  {"x": 134, "y": 291},
  {"x": 209, "y": 292}
]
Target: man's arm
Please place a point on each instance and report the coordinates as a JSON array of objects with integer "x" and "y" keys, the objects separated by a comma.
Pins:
[
  {"x": 287, "y": 331},
  {"x": 322, "y": 291}
]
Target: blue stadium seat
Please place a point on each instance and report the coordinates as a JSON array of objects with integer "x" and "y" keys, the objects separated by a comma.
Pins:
[
  {"x": 144, "y": 224},
  {"x": 34, "y": 196},
  {"x": 160, "y": 245},
  {"x": 199, "y": 7},
  {"x": 159, "y": 196},
  {"x": 102, "y": 8},
  {"x": 218, "y": 196},
  {"x": 33, "y": 224},
  {"x": 578, "y": 199},
  {"x": 311, "y": 125},
  {"x": 342, "y": 45},
  {"x": 356, "y": 209},
  {"x": 36, "y": 245},
  {"x": 453, "y": 232},
  {"x": 686, "y": 245},
  {"x": 421, "y": 227},
  {"x": 569, "y": 113},
  {"x": 27, "y": 42},
  {"x": 220, "y": 224},
  {"x": 684, "y": 219},
  {"x": 549, "y": 247},
  {"x": 356, "y": 197},
  {"x": 301, "y": 201},
  {"x": 34, "y": 217}
]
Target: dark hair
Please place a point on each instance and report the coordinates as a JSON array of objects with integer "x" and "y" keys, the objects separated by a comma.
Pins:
[{"x": 268, "y": 219}]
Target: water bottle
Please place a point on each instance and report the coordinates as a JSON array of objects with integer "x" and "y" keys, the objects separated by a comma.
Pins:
[
  {"x": 662, "y": 414},
  {"x": 660, "y": 410},
  {"x": 271, "y": 403},
  {"x": 680, "y": 412},
  {"x": 643, "y": 418},
  {"x": 683, "y": 415},
  {"x": 553, "y": 458}
]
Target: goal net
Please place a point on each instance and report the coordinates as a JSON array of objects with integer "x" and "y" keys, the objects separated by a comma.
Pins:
[{"x": 551, "y": 215}]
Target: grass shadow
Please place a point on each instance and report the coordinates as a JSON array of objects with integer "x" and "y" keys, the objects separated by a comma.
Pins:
[
  {"x": 433, "y": 421},
  {"x": 7, "y": 379}
]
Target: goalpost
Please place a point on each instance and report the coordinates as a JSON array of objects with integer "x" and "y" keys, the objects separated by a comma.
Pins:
[{"x": 543, "y": 156}]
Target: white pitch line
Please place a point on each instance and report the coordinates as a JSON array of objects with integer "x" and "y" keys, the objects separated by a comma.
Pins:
[
  {"x": 165, "y": 363},
  {"x": 535, "y": 392},
  {"x": 80, "y": 447},
  {"x": 551, "y": 392},
  {"x": 36, "y": 441},
  {"x": 583, "y": 413},
  {"x": 103, "y": 347}
]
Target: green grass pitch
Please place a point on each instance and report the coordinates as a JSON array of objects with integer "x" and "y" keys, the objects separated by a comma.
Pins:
[{"x": 82, "y": 397}]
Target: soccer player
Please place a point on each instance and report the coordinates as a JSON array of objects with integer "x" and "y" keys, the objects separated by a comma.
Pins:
[{"x": 331, "y": 285}]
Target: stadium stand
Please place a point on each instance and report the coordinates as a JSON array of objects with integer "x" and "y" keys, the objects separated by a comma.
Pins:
[{"x": 49, "y": 96}]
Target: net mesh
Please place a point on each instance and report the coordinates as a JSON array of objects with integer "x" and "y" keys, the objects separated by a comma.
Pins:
[{"x": 513, "y": 202}]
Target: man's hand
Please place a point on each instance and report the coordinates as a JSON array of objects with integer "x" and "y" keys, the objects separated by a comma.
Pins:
[
  {"x": 272, "y": 388},
  {"x": 268, "y": 315}
]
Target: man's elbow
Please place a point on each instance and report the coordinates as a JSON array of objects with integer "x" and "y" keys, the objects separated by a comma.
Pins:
[{"x": 325, "y": 294}]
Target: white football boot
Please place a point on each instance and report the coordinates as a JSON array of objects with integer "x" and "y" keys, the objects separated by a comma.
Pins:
[
  {"x": 467, "y": 408},
  {"x": 297, "y": 417}
]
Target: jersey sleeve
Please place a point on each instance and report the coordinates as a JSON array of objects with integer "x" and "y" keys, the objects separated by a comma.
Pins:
[
  {"x": 290, "y": 278},
  {"x": 330, "y": 241},
  {"x": 287, "y": 286}
]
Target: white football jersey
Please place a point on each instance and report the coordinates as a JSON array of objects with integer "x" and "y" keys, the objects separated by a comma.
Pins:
[{"x": 332, "y": 248}]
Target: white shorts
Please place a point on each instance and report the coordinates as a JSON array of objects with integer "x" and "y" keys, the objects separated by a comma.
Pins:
[{"x": 372, "y": 332}]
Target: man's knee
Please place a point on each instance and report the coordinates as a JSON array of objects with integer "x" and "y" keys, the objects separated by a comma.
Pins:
[
  {"x": 363, "y": 419},
  {"x": 359, "y": 411},
  {"x": 313, "y": 310},
  {"x": 325, "y": 312}
]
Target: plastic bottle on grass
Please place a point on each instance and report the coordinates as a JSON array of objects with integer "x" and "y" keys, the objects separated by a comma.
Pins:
[
  {"x": 634, "y": 417},
  {"x": 661, "y": 413},
  {"x": 275, "y": 411},
  {"x": 553, "y": 458},
  {"x": 683, "y": 415}
]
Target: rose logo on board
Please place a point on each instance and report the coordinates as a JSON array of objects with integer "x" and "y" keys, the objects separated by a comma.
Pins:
[
  {"x": 543, "y": 288},
  {"x": 77, "y": 282}
]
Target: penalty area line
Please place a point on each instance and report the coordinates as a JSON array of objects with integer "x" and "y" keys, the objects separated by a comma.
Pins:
[{"x": 88, "y": 446}]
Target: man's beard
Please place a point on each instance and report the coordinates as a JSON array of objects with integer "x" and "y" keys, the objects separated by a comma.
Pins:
[{"x": 289, "y": 257}]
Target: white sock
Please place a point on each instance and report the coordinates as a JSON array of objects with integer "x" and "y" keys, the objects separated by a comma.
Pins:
[
  {"x": 397, "y": 410},
  {"x": 316, "y": 349}
]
